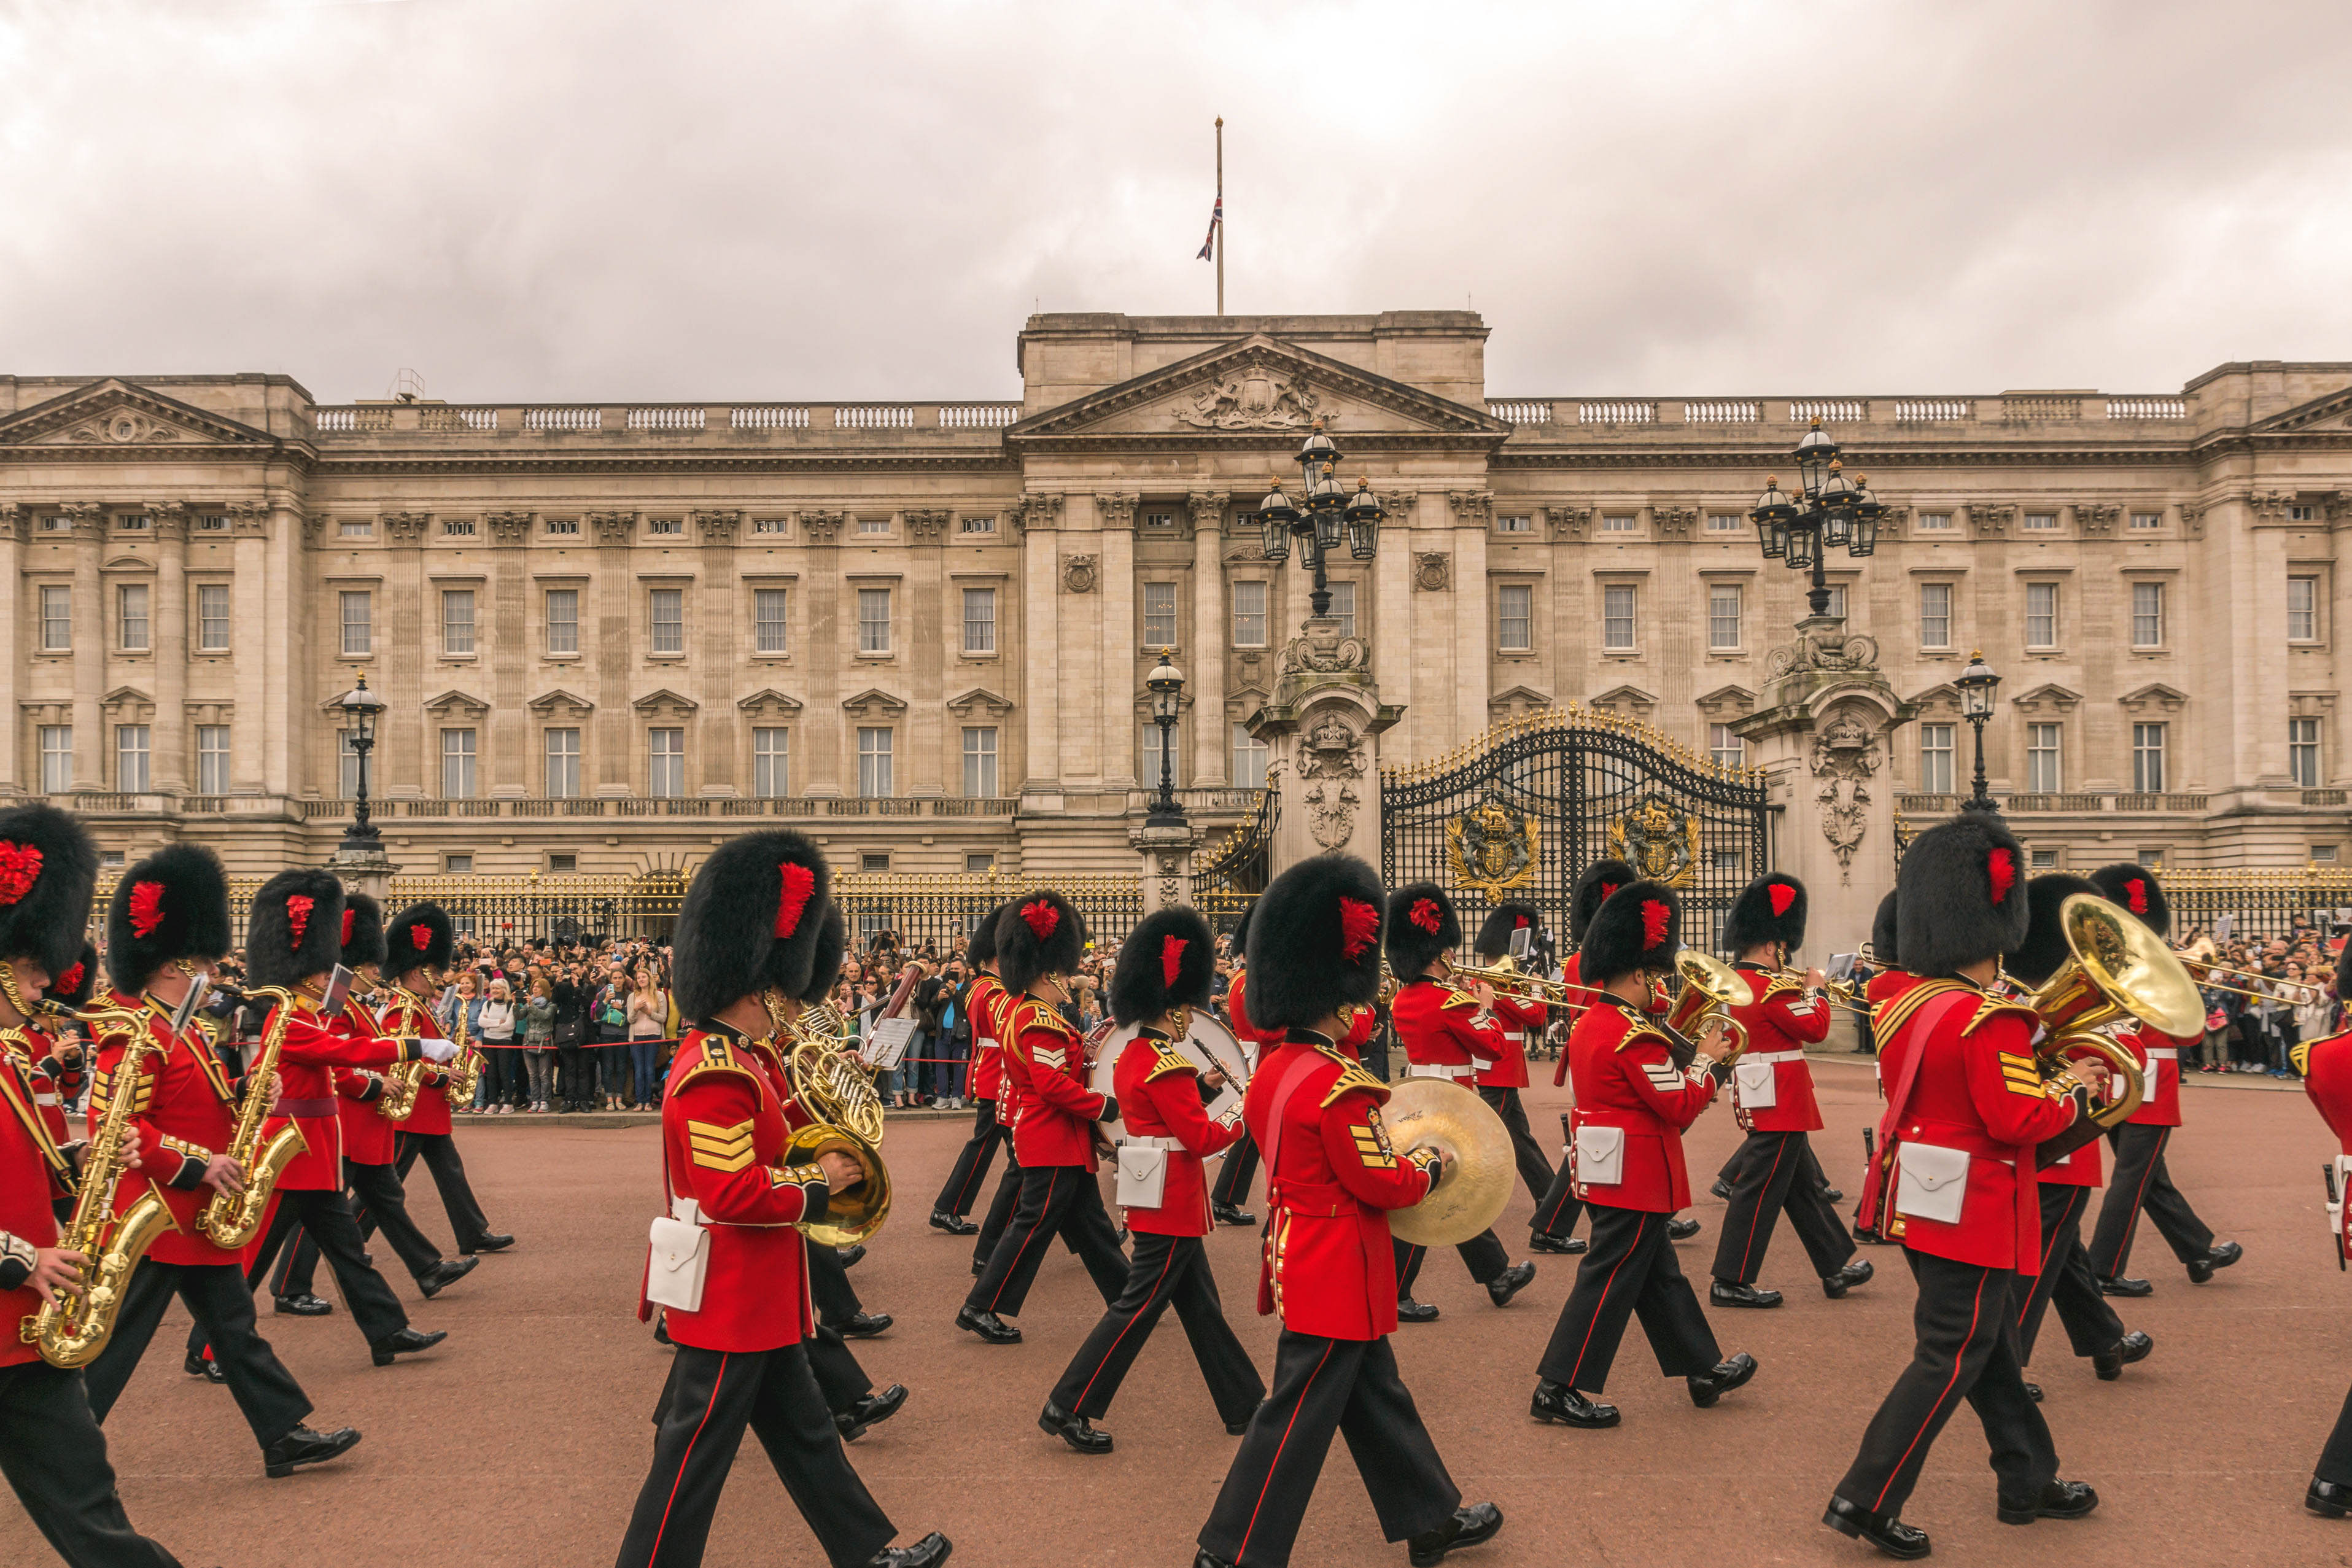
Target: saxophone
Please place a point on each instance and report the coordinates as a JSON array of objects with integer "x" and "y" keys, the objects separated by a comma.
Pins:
[
  {"x": 230, "y": 1220},
  {"x": 403, "y": 1083},
  {"x": 71, "y": 1331},
  {"x": 465, "y": 1069}
]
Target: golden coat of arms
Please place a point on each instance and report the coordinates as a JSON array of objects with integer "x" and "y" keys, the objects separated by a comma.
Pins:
[
  {"x": 1658, "y": 841},
  {"x": 1492, "y": 849}
]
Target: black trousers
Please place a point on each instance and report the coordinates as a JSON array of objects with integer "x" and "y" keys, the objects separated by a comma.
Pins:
[
  {"x": 439, "y": 1151},
  {"x": 221, "y": 1304},
  {"x": 1556, "y": 1211},
  {"x": 710, "y": 1398},
  {"x": 840, "y": 1381},
  {"x": 1963, "y": 1352},
  {"x": 1535, "y": 1171},
  {"x": 1812, "y": 1174},
  {"x": 1483, "y": 1253},
  {"x": 325, "y": 1216},
  {"x": 55, "y": 1458},
  {"x": 2336, "y": 1459},
  {"x": 1628, "y": 1270},
  {"x": 1167, "y": 1270},
  {"x": 1771, "y": 1180},
  {"x": 999, "y": 1218},
  {"x": 2066, "y": 1279},
  {"x": 1322, "y": 1386},
  {"x": 971, "y": 1172},
  {"x": 377, "y": 1201},
  {"x": 830, "y": 1291},
  {"x": 2141, "y": 1182},
  {"x": 1055, "y": 1200},
  {"x": 1239, "y": 1167}
]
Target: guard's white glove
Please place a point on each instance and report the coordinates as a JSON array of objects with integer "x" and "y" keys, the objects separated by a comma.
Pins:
[{"x": 438, "y": 1051}]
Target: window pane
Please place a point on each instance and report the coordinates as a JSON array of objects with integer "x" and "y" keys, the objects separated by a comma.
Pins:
[
  {"x": 1249, "y": 760},
  {"x": 130, "y": 757},
  {"x": 768, "y": 630},
  {"x": 211, "y": 759},
  {"x": 347, "y": 764},
  {"x": 666, "y": 762},
  {"x": 1343, "y": 607},
  {"x": 1617, "y": 618},
  {"x": 457, "y": 763},
  {"x": 1837, "y": 600},
  {"x": 1521, "y": 524},
  {"x": 2303, "y": 751},
  {"x": 873, "y": 525},
  {"x": 874, "y": 620},
  {"x": 562, "y": 764},
  {"x": 457, "y": 621},
  {"x": 2039, "y": 522},
  {"x": 669, "y": 620},
  {"x": 980, "y": 620},
  {"x": 1935, "y": 521},
  {"x": 1160, "y": 615},
  {"x": 211, "y": 617},
  {"x": 874, "y": 763},
  {"x": 1935, "y": 758},
  {"x": 357, "y": 635},
  {"x": 2041, "y": 614},
  {"x": 563, "y": 620},
  {"x": 134, "y": 615},
  {"x": 2042, "y": 771},
  {"x": 2147, "y": 520},
  {"x": 1515, "y": 617},
  {"x": 1725, "y": 522},
  {"x": 772, "y": 762},
  {"x": 2302, "y": 608},
  {"x": 1723, "y": 615},
  {"x": 1249, "y": 615},
  {"x": 2148, "y": 615},
  {"x": 1726, "y": 748},
  {"x": 2147, "y": 758},
  {"x": 56, "y": 620},
  {"x": 979, "y": 762},
  {"x": 1147, "y": 768},
  {"x": 1935, "y": 615},
  {"x": 1617, "y": 522},
  {"x": 57, "y": 758}
]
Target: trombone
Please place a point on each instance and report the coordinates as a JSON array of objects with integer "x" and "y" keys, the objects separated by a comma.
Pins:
[
  {"x": 1840, "y": 993},
  {"x": 2295, "y": 993},
  {"x": 1509, "y": 979}
]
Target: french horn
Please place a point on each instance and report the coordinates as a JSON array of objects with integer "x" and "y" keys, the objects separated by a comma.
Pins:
[{"x": 2118, "y": 968}]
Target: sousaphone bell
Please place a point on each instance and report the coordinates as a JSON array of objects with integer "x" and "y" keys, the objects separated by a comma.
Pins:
[{"x": 2118, "y": 968}]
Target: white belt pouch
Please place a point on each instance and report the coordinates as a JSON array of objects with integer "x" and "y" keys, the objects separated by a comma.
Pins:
[
  {"x": 681, "y": 1251},
  {"x": 1142, "y": 1173},
  {"x": 1757, "y": 1085},
  {"x": 1600, "y": 1156},
  {"x": 1931, "y": 1183}
]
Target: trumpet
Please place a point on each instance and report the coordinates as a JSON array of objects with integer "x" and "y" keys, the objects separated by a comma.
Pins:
[
  {"x": 2296, "y": 992},
  {"x": 1711, "y": 989},
  {"x": 1509, "y": 979}
]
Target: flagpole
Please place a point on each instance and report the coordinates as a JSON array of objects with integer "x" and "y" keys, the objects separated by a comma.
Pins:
[{"x": 1220, "y": 222}]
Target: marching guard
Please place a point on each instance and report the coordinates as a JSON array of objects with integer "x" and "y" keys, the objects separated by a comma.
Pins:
[
  {"x": 1451, "y": 1034},
  {"x": 747, "y": 936},
  {"x": 55, "y": 1061},
  {"x": 1524, "y": 1022},
  {"x": 1639, "y": 1086},
  {"x": 1239, "y": 1167},
  {"x": 2142, "y": 1180},
  {"x": 1163, "y": 975},
  {"x": 1773, "y": 1093},
  {"x": 991, "y": 1121},
  {"x": 2327, "y": 1068},
  {"x": 1963, "y": 1116},
  {"x": 1331, "y": 1177},
  {"x": 1039, "y": 944}
]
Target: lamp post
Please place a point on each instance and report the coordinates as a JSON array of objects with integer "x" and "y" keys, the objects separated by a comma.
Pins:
[
  {"x": 1330, "y": 516},
  {"x": 362, "y": 708},
  {"x": 1828, "y": 510},
  {"x": 1166, "y": 684},
  {"x": 1977, "y": 684}
]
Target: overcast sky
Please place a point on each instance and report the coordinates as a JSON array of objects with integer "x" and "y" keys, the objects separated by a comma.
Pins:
[{"x": 593, "y": 199}]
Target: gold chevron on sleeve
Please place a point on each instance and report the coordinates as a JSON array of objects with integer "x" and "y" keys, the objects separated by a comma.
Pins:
[{"x": 720, "y": 1148}]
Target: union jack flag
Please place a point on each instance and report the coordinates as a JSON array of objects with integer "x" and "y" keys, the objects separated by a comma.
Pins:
[{"x": 1216, "y": 218}]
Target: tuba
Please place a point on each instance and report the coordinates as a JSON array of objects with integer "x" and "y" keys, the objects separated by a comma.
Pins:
[
  {"x": 845, "y": 1114},
  {"x": 2119, "y": 968},
  {"x": 230, "y": 1220},
  {"x": 71, "y": 1331},
  {"x": 1711, "y": 989}
]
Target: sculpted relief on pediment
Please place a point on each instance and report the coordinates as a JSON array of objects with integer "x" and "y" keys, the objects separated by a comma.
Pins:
[{"x": 1253, "y": 397}]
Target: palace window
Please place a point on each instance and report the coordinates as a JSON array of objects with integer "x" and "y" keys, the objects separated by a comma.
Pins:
[
  {"x": 669, "y": 612},
  {"x": 347, "y": 764},
  {"x": 873, "y": 525},
  {"x": 979, "y": 762},
  {"x": 1617, "y": 618},
  {"x": 562, "y": 764},
  {"x": 874, "y": 620},
  {"x": 2043, "y": 772},
  {"x": 57, "y": 523},
  {"x": 2150, "y": 860},
  {"x": 2147, "y": 520},
  {"x": 1150, "y": 763},
  {"x": 1935, "y": 615},
  {"x": 2039, "y": 521},
  {"x": 1515, "y": 617},
  {"x": 977, "y": 525},
  {"x": 56, "y": 620},
  {"x": 1837, "y": 601},
  {"x": 666, "y": 763},
  {"x": 769, "y": 524},
  {"x": 2041, "y": 614},
  {"x": 2302, "y": 609},
  {"x": 1249, "y": 758},
  {"x": 2303, "y": 514},
  {"x": 563, "y": 620},
  {"x": 980, "y": 861},
  {"x": 1934, "y": 523},
  {"x": 1725, "y": 522},
  {"x": 2303, "y": 751},
  {"x": 354, "y": 528},
  {"x": 2148, "y": 615},
  {"x": 457, "y": 763},
  {"x": 2044, "y": 860},
  {"x": 1935, "y": 759},
  {"x": 566, "y": 527},
  {"x": 1249, "y": 615},
  {"x": 1726, "y": 746},
  {"x": 2147, "y": 759},
  {"x": 1160, "y": 522},
  {"x": 769, "y": 631},
  {"x": 57, "y": 759},
  {"x": 874, "y": 761},
  {"x": 131, "y": 607},
  {"x": 1617, "y": 522},
  {"x": 873, "y": 860},
  {"x": 212, "y": 522},
  {"x": 131, "y": 758},
  {"x": 457, "y": 622},
  {"x": 1160, "y": 615},
  {"x": 458, "y": 865},
  {"x": 980, "y": 620},
  {"x": 1517, "y": 524},
  {"x": 458, "y": 528},
  {"x": 1723, "y": 616},
  {"x": 211, "y": 759},
  {"x": 211, "y": 617},
  {"x": 666, "y": 527},
  {"x": 358, "y": 613},
  {"x": 1343, "y": 607},
  {"x": 771, "y": 761}
]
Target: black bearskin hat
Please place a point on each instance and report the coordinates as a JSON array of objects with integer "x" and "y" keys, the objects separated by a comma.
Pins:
[
  {"x": 1168, "y": 962},
  {"x": 2344, "y": 971},
  {"x": 1886, "y": 945},
  {"x": 1960, "y": 895},
  {"x": 1039, "y": 933},
  {"x": 421, "y": 936},
  {"x": 1770, "y": 908},
  {"x": 48, "y": 870},
  {"x": 1593, "y": 888},
  {"x": 362, "y": 932},
  {"x": 77, "y": 985},
  {"x": 1495, "y": 935},
  {"x": 1320, "y": 947},
  {"x": 2136, "y": 890},
  {"x": 2045, "y": 948},
  {"x": 1421, "y": 925},
  {"x": 1640, "y": 927},
  {"x": 824, "y": 965},
  {"x": 980, "y": 946},
  {"x": 749, "y": 922},
  {"x": 295, "y": 929},
  {"x": 171, "y": 905}
]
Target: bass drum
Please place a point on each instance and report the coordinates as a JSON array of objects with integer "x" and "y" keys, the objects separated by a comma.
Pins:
[{"x": 1211, "y": 1045}]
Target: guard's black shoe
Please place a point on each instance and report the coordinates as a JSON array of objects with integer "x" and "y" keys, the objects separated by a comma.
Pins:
[
  {"x": 852, "y": 1256},
  {"x": 303, "y": 1306},
  {"x": 1226, "y": 1214},
  {"x": 408, "y": 1341},
  {"x": 661, "y": 1330},
  {"x": 2059, "y": 1500},
  {"x": 1884, "y": 1531},
  {"x": 2121, "y": 1287},
  {"x": 2109, "y": 1364},
  {"x": 1721, "y": 1189},
  {"x": 1562, "y": 1246},
  {"x": 2328, "y": 1500},
  {"x": 952, "y": 1225},
  {"x": 978, "y": 1267},
  {"x": 987, "y": 1325},
  {"x": 304, "y": 1447},
  {"x": 1412, "y": 1311},
  {"x": 2033, "y": 1392},
  {"x": 1509, "y": 1283},
  {"x": 1731, "y": 1293},
  {"x": 1236, "y": 1429},
  {"x": 1857, "y": 1272},
  {"x": 1562, "y": 1405},
  {"x": 862, "y": 1325},
  {"x": 493, "y": 1243},
  {"x": 1469, "y": 1527},
  {"x": 871, "y": 1411},
  {"x": 929, "y": 1552},
  {"x": 1075, "y": 1430},
  {"x": 1205, "y": 1558},
  {"x": 1710, "y": 1386},
  {"x": 1680, "y": 1229},
  {"x": 444, "y": 1274},
  {"x": 2200, "y": 1272},
  {"x": 199, "y": 1366},
  {"x": 1831, "y": 1194},
  {"x": 367, "y": 1258}
]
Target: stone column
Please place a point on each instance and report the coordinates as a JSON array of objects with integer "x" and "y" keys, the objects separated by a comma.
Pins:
[
  {"x": 413, "y": 613},
  {"x": 15, "y": 522},
  {"x": 722, "y": 613},
  {"x": 1112, "y": 703},
  {"x": 1210, "y": 750},
  {"x": 504, "y": 661},
  {"x": 604, "y": 662},
  {"x": 931, "y": 623},
  {"x": 290, "y": 687},
  {"x": 169, "y": 750},
  {"x": 1040, "y": 515},
  {"x": 1474, "y": 642},
  {"x": 92, "y": 626},
  {"x": 833, "y": 629},
  {"x": 249, "y": 640}
]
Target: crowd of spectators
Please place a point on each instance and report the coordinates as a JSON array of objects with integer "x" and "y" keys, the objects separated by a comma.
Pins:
[{"x": 2283, "y": 996}]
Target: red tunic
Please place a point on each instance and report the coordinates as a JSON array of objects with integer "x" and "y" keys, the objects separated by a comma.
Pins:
[
  {"x": 406, "y": 1014},
  {"x": 51, "y": 1086},
  {"x": 1521, "y": 1020},
  {"x": 2160, "y": 1107},
  {"x": 186, "y": 1112},
  {"x": 1625, "y": 1077},
  {"x": 1780, "y": 1023},
  {"x": 33, "y": 1174},
  {"x": 2327, "y": 1079},
  {"x": 985, "y": 1001},
  {"x": 1446, "y": 1032},
  {"x": 1057, "y": 1109},
  {"x": 723, "y": 1135},
  {"x": 306, "y": 1092},
  {"x": 1886, "y": 985},
  {"x": 1326, "y": 1264},
  {"x": 359, "y": 1094},
  {"x": 1237, "y": 1011},
  {"x": 1581, "y": 998},
  {"x": 1158, "y": 1094}
]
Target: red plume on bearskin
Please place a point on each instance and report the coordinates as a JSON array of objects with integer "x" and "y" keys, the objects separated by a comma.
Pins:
[
  {"x": 723, "y": 950},
  {"x": 48, "y": 867},
  {"x": 1359, "y": 924},
  {"x": 2000, "y": 873},
  {"x": 1657, "y": 919},
  {"x": 1422, "y": 924},
  {"x": 2137, "y": 901},
  {"x": 799, "y": 887},
  {"x": 146, "y": 908},
  {"x": 297, "y": 917},
  {"x": 20, "y": 867},
  {"x": 171, "y": 905},
  {"x": 1314, "y": 942},
  {"x": 1639, "y": 928},
  {"x": 349, "y": 915},
  {"x": 1772, "y": 909},
  {"x": 1168, "y": 962},
  {"x": 1502, "y": 922},
  {"x": 1045, "y": 934},
  {"x": 1041, "y": 918},
  {"x": 294, "y": 930},
  {"x": 70, "y": 981},
  {"x": 363, "y": 940},
  {"x": 1593, "y": 885},
  {"x": 1425, "y": 915},
  {"x": 421, "y": 936},
  {"x": 1782, "y": 895},
  {"x": 2138, "y": 890},
  {"x": 1171, "y": 959}
]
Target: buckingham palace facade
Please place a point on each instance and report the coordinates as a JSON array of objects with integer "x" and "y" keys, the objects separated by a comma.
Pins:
[{"x": 610, "y": 634}]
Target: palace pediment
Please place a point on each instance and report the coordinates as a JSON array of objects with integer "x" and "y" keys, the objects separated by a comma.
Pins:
[
  {"x": 1255, "y": 390},
  {"x": 114, "y": 414}
]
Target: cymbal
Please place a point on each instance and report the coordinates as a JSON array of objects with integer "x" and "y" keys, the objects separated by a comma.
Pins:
[{"x": 1424, "y": 1113}]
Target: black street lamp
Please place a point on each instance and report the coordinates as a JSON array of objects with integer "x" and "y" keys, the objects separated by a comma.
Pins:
[
  {"x": 1977, "y": 684},
  {"x": 1330, "y": 515},
  {"x": 362, "y": 708},
  {"x": 1166, "y": 684},
  {"x": 1827, "y": 511}
]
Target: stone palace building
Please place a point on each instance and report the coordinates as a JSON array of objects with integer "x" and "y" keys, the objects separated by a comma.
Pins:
[{"x": 610, "y": 634}]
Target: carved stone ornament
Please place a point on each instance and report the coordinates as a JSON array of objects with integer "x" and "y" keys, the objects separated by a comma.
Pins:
[
  {"x": 124, "y": 428},
  {"x": 1431, "y": 572},
  {"x": 1473, "y": 509},
  {"x": 1116, "y": 509},
  {"x": 509, "y": 527},
  {"x": 1492, "y": 849},
  {"x": 171, "y": 518},
  {"x": 2192, "y": 520},
  {"x": 820, "y": 526},
  {"x": 2097, "y": 519},
  {"x": 1319, "y": 647},
  {"x": 612, "y": 527},
  {"x": 1038, "y": 509},
  {"x": 250, "y": 519},
  {"x": 1674, "y": 522},
  {"x": 1824, "y": 648},
  {"x": 405, "y": 527},
  {"x": 1331, "y": 812},
  {"x": 1988, "y": 522},
  {"x": 1659, "y": 840},
  {"x": 1078, "y": 574},
  {"x": 1172, "y": 878},
  {"x": 1208, "y": 511},
  {"x": 926, "y": 527},
  {"x": 1845, "y": 756},
  {"x": 1254, "y": 397},
  {"x": 719, "y": 527},
  {"x": 1330, "y": 749},
  {"x": 1571, "y": 523},
  {"x": 16, "y": 523}
]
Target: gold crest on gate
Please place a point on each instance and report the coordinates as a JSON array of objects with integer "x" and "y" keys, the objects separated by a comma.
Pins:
[
  {"x": 1659, "y": 840},
  {"x": 1492, "y": 849}
]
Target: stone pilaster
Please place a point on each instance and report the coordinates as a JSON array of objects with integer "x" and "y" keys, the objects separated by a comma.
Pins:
[
  {"x": 1113, "y": 715},
  {"x": 19, "y": 600},
  {"x": 94, "y": 627},
  {"x": 832, "y": 626},
  {"x": 170, "y": 765},
  {"x": 937, "y": 767},
  {"x": 504, "y": 662},
  {"x": 1207, "y": 660},
  {"x": 721, "y": 751},
  {"x": 248, "y": 641},
  {"x": 605, "y": 605},
  {"x": 1039, "y": 517},
  {"x": 1167, "y": 862}
]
